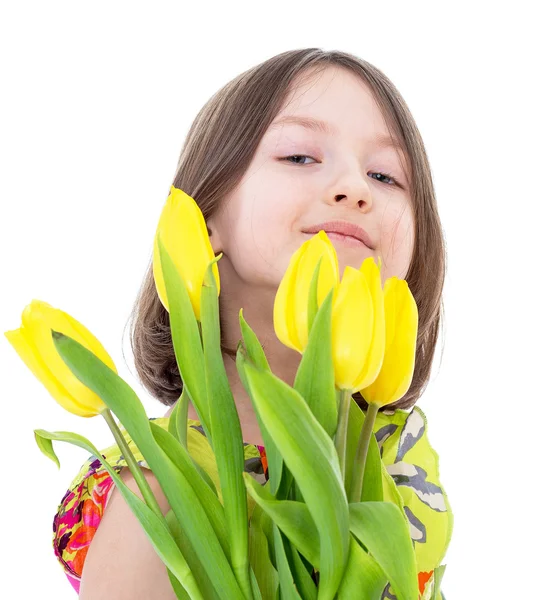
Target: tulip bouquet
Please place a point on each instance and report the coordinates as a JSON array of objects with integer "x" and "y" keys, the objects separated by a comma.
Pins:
[{"x": 329, "y": 522}]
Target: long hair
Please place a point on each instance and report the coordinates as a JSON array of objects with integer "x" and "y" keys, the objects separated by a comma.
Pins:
[{"x": 217, "y": 151}]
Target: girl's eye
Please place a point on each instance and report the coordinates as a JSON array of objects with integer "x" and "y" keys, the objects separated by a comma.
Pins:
[
  {"x": 304, "y": 156},
  {"x": 296, "y": 156},
  {"x": 394, "y": 182}
]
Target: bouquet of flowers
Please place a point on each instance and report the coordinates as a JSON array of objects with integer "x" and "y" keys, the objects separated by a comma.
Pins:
[{"x": 329, "y": 522}]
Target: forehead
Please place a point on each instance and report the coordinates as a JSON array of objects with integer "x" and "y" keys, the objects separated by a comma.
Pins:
[
  {"x": 335, "y": 102},
  {"x": 381, "y": 139}
]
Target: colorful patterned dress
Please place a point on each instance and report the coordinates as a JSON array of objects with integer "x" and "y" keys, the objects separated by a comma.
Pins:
[{"x": 405, "y": 451}]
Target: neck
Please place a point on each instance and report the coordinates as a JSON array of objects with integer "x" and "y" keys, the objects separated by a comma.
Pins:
[{"x": 249, "y": 424}]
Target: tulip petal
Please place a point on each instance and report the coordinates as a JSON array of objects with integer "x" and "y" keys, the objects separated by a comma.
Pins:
[
  {"x": 401, "y": 324},
  {"x": 283, "y": 307},
  {"x": 310, "y": 253},
  {"x": 158, "y": 276},
  {"x": 374, "y": 360},
  {"x": 38, "y": 320},
  {"x": 39, "y": 369},
  {"x": 291, "y": 308},
  {"x": 329, "y": 269},
  {"x": 92, "y": 343},
  {"x": 352, "y": 327},
  {"x": 319, "y": 246},
  {"x": 406, "y": 337}
]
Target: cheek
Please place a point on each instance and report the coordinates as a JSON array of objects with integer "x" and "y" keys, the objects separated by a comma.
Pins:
[
  {"x": 256, "y": 233},
  {"x": 261, "y": 225},
  {"x": 269, "y": 209},
  {"x": 396, "y": 222},
  {"x": 397, "y": 240}
]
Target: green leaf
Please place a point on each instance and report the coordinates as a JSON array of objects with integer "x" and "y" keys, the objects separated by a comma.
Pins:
[
  {"x": 288, "y": 587},
  {"x": 186, "y": 337},
  {"x": 265, "y": 572},
  {"x": 363, "y": 577},
  {"x": 227, "y": 437},
  {"x": 256, "y": 594},
  {"x": 307, "y": 449},
  {"x": 293, "y": 518},
  {"x": 175, "y": 426},
  {"x": 155, "y": 528},
  {"x": 192, "y": 471},
  {"x": 266, "y": 524},
  {"x": 385, "y": 533},
  {"x": 275, "y": 464},
  {"x": 315, "y": 378},
  {"x": 46, "y": 446},
  {"x": 302, "y": 577},
  {"x": 206, "y": 587},
  {"x": 182, "y": 417},
  {"x": 178, "y": 421},
  {"x": 257, "y": 356},
  {"x": 253, "y": 346},
  {"x": 179, "y": 591},
  {"x": 122, "y": 400}
]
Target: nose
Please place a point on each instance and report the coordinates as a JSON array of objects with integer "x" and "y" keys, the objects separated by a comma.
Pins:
[{"x": 353, "y": 190}]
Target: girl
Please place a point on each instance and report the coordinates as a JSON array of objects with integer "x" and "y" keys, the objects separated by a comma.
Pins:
[{"x": 307, "y": 140}]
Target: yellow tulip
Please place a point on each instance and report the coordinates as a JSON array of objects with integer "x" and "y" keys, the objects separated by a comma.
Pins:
[
  {"x": 183, "y": 232},
  {"x": 290, "y": 310},
  {"x": 358, "y": 326},
  {"x": 34, "y": 344},
  {"x": 401, "y": 321}
]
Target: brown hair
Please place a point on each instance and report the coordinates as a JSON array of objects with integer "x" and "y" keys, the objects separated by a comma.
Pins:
[{"x": 216, "y": 154}]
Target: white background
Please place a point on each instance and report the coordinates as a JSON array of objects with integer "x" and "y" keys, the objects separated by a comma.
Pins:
[{"x": 96, "y": 101}]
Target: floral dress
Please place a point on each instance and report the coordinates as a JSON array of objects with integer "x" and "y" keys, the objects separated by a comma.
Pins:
[{"x": 405, "y": 451}]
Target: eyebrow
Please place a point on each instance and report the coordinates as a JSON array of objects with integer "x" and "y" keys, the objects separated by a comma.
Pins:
[{"x": 382, "y": 141}]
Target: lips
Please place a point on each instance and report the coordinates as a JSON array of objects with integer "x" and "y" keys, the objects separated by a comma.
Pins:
[{"x": 344, "y": 228}]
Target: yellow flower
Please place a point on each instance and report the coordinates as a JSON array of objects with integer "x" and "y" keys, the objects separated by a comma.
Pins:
[
  {"x": 290, "y": 310},
  {"x": 184, "y": 234},
  {"x": 34, "y": 344},
  {"x": 401, "y": 321},
  {"x": 358, "y": 326}
]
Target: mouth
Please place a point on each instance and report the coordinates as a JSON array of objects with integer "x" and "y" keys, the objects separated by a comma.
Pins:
[{"x": 345, "y": 240}]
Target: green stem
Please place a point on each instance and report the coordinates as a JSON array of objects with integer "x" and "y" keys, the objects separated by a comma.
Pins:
[
  {"x": 341, "y": 431},
  {"x": 134, "y": 467},
  {"x": 182, "y": 417},
  {"x": 355, "y": 493}
]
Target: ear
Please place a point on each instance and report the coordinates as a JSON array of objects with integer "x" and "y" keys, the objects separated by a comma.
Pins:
[{"x": 214, "y": 237}]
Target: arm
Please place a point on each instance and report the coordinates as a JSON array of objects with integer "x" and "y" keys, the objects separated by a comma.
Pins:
[{"x": 121, "y": 563}]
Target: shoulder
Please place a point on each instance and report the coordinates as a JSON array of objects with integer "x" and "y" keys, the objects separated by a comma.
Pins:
[
  {"x": 137, "y": 571},
  {"x": 78, "y": 516},
  {"x": 414, "y": 466},
  {"x": 83, "y": 506}
]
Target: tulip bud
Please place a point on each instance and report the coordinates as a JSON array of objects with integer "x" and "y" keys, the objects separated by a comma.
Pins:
[
  {"x": 290, "y": 312},
  {"x": 184, "y": 235},
  {"x": 33, "y": 342}
]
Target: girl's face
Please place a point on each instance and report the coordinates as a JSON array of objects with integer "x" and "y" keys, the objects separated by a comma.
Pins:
[{"x": 341, "y": 174}]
